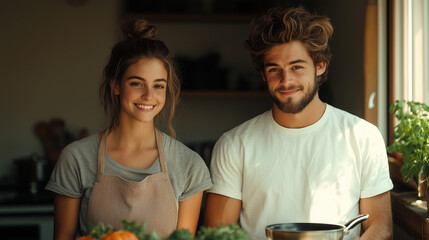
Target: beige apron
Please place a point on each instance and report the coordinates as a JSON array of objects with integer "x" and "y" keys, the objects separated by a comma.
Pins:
[{"x": 152, "y": 200}]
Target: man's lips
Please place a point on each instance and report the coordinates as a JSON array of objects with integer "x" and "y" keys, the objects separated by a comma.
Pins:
[{"x": 288, "y": 92}]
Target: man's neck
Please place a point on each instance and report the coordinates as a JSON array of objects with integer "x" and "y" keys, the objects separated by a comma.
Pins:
[{"x": 312, "y": 113}]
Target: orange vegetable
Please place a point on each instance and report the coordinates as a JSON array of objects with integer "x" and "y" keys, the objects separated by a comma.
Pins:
[
  {"x": 85, "y": 238},
  {"x": 120, "y": 235}
]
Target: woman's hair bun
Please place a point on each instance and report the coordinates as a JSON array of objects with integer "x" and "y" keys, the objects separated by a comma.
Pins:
[{"x": 139, "y": 28}]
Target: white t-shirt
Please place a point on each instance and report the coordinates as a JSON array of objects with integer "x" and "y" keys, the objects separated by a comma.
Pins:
[{"x": 313, "y": 174}]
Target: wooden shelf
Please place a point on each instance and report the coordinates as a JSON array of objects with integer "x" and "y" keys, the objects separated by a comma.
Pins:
[
  {"x": 410, "y": 214},
  {"x": 408, "y": 211},
  {"x": 224, "y": 94},
  {"x": 229, "y": 17}
]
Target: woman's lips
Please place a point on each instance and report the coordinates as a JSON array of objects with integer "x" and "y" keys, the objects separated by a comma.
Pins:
[{"x": 144, "y": 107}]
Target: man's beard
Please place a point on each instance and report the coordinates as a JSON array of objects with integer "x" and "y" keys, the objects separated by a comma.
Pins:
[{"x": 288, "y": 106}]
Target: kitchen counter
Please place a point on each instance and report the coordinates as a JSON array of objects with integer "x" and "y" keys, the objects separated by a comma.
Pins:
[
  {"x": 410, "y": 214},
  {"x": 28, "y": 217},
  {"x": 408, "y": 211}
]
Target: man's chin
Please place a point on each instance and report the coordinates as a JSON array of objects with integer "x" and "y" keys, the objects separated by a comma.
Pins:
[{"x": 289, "y": 107}]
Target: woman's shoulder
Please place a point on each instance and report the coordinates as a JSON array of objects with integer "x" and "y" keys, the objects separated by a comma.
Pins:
[
  {"x": 180, "y": 151},
  {"x": 85, "y": 145},
  {"x": 176, "y": 145}
]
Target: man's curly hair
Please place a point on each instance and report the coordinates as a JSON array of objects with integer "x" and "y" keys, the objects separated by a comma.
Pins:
[{"x": 281, "y": 25}]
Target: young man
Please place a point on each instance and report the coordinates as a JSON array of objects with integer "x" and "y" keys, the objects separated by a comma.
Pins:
[{"x": 304, "y": 160}]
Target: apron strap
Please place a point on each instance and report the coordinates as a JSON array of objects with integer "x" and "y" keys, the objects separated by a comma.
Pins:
[
  {"x": 101, "y": 155},
  {"x": 102, "y": 152},
  {"x": 160, "y": 145}
]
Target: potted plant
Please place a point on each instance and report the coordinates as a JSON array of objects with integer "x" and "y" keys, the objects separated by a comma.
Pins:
[{"x": 411, "y": 138}]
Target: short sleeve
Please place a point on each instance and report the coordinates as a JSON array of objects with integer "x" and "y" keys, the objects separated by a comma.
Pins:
[
  {"x": 65, "y": 178},
  {"x": 226, "y": 169},
  {"x": 198, "y": 177},
  {"x": 375, "y": 173}
]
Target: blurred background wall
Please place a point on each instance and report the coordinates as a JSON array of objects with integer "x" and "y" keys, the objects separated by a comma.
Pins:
[{"x": 53, "y": 53}]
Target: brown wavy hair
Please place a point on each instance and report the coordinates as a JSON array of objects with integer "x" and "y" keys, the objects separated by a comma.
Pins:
[
  {"x": 280, "y": 25},
  {"x": 141, "y": 41}
]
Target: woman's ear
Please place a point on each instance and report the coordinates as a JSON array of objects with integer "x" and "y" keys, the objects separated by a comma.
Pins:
[
  {"x": 114, "y": 86},
  {"x": 320, "y": 68}
]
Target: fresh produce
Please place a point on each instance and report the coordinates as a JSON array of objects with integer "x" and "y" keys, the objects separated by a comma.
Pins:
[
  {"x": 180, "y": 234},
  {"x": 131, "y": 231},
  {"x": 229, "y": 232},
  {"x": 120, "y": 235}
]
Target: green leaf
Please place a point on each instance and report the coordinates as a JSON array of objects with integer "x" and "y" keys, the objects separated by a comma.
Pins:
[
  {"x": 99, "y": 230},
  {"x": 181, "y": 234},
  {"x": 411, "y": 137},
  {"x": 229, "y": 232}
]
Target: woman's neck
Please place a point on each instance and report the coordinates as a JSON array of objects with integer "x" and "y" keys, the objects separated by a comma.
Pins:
[{"x": 132, "y": 136}]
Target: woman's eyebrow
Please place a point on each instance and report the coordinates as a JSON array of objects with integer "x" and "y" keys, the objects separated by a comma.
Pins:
[{"x": 142, "y": 79}]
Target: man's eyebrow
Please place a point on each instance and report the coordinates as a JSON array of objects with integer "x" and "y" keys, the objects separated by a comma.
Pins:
[
  {"x": 271, "y": 65},
  {"x": 297, "y": 61},
  {"x": 142, "y": 79},
  {"x": 290, "y": 63}
]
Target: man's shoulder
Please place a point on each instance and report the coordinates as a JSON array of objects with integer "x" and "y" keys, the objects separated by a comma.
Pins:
[
  {"x": 250, "y": 127},
  {"x": 344, "y": 115},
  {"x": 348, "y": 120}
]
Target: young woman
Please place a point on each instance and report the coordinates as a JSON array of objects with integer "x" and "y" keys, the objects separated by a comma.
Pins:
[{"x": 131, "y": 171}]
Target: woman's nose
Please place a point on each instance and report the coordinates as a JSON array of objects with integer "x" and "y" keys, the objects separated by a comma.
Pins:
[{"x": 147, "y": 93}]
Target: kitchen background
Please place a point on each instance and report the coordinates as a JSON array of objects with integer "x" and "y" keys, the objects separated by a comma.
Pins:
[{"x": 53, "y": 53}]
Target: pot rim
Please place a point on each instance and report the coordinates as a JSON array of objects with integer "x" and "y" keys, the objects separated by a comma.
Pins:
[{"x": 335, "y": 227}]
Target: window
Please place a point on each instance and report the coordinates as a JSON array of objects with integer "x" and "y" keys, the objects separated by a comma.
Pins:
[{"x": 409, "y": 52}]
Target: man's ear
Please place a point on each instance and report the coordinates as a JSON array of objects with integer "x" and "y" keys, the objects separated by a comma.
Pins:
[
  {"x": 320, "y": 68},
  {"x": 114, "y": 86}
]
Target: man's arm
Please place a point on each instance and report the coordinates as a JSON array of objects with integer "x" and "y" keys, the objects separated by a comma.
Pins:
[
  {"x": 221, "y": 209},
  {"x": 379, "y": 224}
]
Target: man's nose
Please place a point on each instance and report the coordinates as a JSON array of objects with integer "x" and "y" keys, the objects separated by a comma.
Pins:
[{"x": 286, "y": 78}]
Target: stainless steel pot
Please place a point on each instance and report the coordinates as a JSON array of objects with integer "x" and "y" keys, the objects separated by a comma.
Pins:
[{"x": 310, "y": 231}]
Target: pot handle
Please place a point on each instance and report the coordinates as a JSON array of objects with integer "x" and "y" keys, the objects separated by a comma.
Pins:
[{"x": 352, "y": 223}]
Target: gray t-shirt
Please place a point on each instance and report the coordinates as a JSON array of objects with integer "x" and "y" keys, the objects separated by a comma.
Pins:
[{"x": 76, "y": 170}]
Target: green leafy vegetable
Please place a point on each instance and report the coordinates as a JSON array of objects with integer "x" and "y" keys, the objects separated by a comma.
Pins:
[
  {"x": 100, "y": 230},
  {"x": 180, "y": 234},
  {"x": 228, "y": 232}
]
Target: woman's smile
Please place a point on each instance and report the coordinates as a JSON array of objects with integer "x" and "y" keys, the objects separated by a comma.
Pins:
[
  {"x": 145, "y": 107},
  {"x": 143, "y": 90}
]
